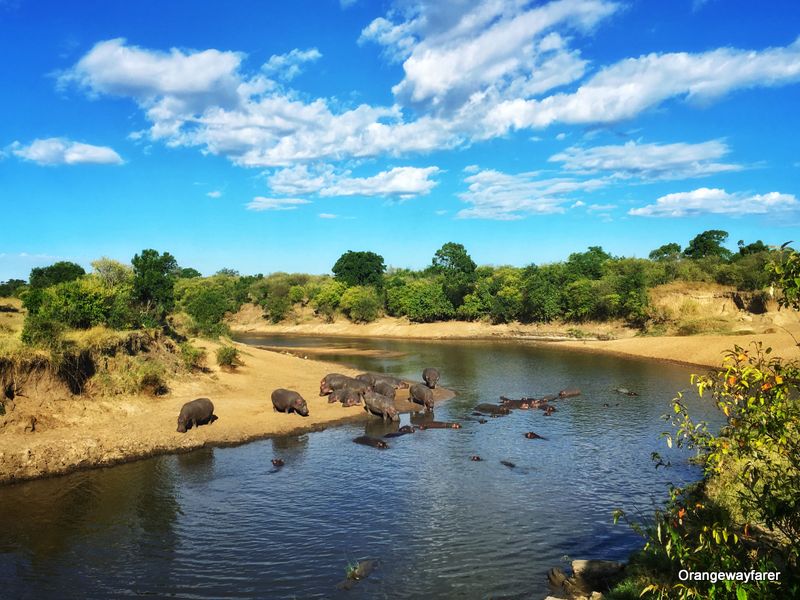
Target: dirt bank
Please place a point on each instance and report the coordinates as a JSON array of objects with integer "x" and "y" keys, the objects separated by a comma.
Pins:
[{"x": 83, "y": 432}]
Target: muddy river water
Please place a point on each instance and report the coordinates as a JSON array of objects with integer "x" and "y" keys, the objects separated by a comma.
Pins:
[{"x": 223, "y": 523}]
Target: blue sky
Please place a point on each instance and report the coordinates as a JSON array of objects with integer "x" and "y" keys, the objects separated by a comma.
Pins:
[{"x": 267, "y": 136}]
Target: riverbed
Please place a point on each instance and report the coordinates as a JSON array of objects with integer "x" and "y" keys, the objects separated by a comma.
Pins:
[{"x": 224, "y": 523}]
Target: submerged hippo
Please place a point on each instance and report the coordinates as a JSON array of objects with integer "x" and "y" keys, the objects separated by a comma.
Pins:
[
  {"x": 532, "y": 435},
  {"x": 194, "y": 413},
  {"x": 569, "y": 393},
  {"x": 421, "y": 394},
  {"x": 365, "y": 440},
  {"x": 404, "y": 430},
  {"x": 384, "y": 389},
  {"x": 431, "y": 377},
  {"x": 625, "y": 391},
  {"x": 380, "y": 406},
  {"x": 492, "y": 409},
  {"x": 439, "y": 425},
  {"x": 288, "y": 401}
]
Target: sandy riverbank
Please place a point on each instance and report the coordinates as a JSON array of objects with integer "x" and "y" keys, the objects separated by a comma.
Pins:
[
  {"x": 702, "y": 350},
  {"x": 86, "y": 432}
]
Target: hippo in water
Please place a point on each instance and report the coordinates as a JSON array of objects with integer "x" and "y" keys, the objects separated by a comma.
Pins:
[
  {"x": 431, "y": 377},
  {"x": 380, "y": 406},
  {"x": 365, "y": 440},
  {"x": 569, "y": 393},
  {"x": 404, "y": 430},
  {"x": 194, "y": 413},
  {"x": 421, "y": 395},
  {"x": 439, "y": 425},
  {"x": 492, "y": 409},
  {"x": 385, "y": 389},
  {"x": 287, "y": 401}
]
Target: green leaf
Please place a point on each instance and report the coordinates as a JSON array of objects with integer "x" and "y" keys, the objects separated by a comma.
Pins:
[{"x": 741, "y": 594}]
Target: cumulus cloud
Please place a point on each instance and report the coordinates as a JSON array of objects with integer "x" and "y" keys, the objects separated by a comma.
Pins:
[
  {"x": 648, "y": 161},
  {"x": 506, "y": 197},
  {"x": 261, "y": 203},
  {"x": 61, "y": 151},
  {"x": 719, "y": 202},
  {"x": 401, "y": 182},
  {"x": 290, "y": 65},
  {"x": 454, "y": 49},
  {"x": 214, "y": 194},
  {"x": 625, "y": 89}
]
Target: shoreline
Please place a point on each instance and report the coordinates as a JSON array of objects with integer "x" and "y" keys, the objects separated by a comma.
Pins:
[{"x": 87, "y": 432}]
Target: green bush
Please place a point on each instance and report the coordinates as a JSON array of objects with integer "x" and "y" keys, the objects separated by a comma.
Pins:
[
  {"x": 328, "y": 298},
  {"x": 60, "y": 272},
  {"x": 296, "y": 294},
  {"x": 422, "y": 301},
  {"x": 228, "y": 356},
  {"x": 192, "y": 356},
  {"x": 38, "y": 331},
  {"x": 361, "y": 304},
  {"x": 151, "y": 377}
]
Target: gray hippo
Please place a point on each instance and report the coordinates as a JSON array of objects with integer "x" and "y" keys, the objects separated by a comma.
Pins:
[
  {"x": 431, "y": 377},
  {"x": 569, "y": 393},
  {"x": 439, "y": 425},
  {"x": 194, "y": 413},
  {"x": 404, "y": 430},
  {"x": 380, "y": 406},
  {"x": 365, "y": 440},
  {"x": 395, "y": 382},
  {"x": 346, "y": 396},
  {"x": 385, "y": 389},
  {"x": 492, "y": 409},
  {"x": 287, "y": 401},
  {"x": 421, "y": 394},
  {"x": 337, "y": 383},
  {"x": 326, "y": 384}
]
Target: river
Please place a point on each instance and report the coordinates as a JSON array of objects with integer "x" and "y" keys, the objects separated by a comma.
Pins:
[{"x": 223, "y": 523}]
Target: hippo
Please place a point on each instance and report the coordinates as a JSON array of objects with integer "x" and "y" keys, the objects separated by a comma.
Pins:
[
  {"x": 357, "y": 573},
  {"x": 350, "y": 383},
  {"x": 439, "y": 425},
  {"x": 475, "y": 458},
  {"x": 626, "y": 392},
  {"x": 346, "y": 396},
  {"x": 194, "y": 413},
  {"x": 326, "y": 384},
  {"x": 365, "y": 440},
  {"x": 287, "y": 401},
  {"x": 508, "y": 464},
  {"x": 404, "y": 430},
  {"x": 380, "y": 406},
  {"x": 492, "y": 409},
  {"x": 395, "y": 382},
  {"x": 385, "y": 389},
  {"x": 569, "y": 393},
  {"x": 522, "y": 404},
  {"x": 531, "y": 435},
  {"x": 431, "y": 377},
  {"x": 367, "y": 378},
  {"x": 421, "y": 395},
  {"x": 277, "y": 462}
]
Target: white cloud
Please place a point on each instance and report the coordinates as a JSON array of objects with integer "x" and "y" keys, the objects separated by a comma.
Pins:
[
  {"x": 600, "y": 207},
  {"x": 717, "y": 201},
  {"x": 452, "y": 50},
  {"x": 561, "y": 136},
  {"x": 648, "y": 161},
  {"x": 214, "y": 194},
  {"x": 260, "y": 203},
  {"x": 288, "y": 66},
  {"x": 327, "y": 216},
  {"x": 505, "y": 197},
  {"x": 402, "y": 182},
  {"x": 61, "y": 151},
  {"x": 625, "y": 89}
]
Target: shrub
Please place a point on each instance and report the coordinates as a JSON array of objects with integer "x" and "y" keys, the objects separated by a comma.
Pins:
[
  {"x": 151, "y": 377},
  {"x": 60, "y": 272},
  {"x": 328, "y": 298},
  {"x": 192, "y": 356},
  {"x": 422, "y": 301},
  {"x": 39, "y": 331},
  {"x": 359, "y": 268},
  {"x": 361, "y": 304},
  {"x": 228, "y": 356},
  {"x": 296, "y": 294}
]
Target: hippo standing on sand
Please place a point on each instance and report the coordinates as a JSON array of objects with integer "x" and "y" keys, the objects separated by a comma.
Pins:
[
  {"x": 421, "y": 395},
  {"x": 380, "y": 406},
  {"x": 385, "y": 389},
  {"x": 346, "y": 396},
  {"x": 194, "y": 413},
  {"x": 431, "y": 377},
  {"x": 287, "y": 401}
]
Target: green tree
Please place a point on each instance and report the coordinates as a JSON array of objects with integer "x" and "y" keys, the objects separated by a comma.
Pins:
[
  {"x": 11, "y": 287},
  {"x": 112, "y": 272},
  {"x": 328, "y": 298},
  {"x": 707, "y": 244},
  {"x": 754, "y": 248},
  {"x": 671, "y": 251},
  {"x": 542, "y": 292},
  {"x": 42, "y": 277},
  {"x": 359, "y": 268},
  {"x": 457, "y": 269},
  {"x": 587, "y": 264},
  {"x": 422, "y": 301},
  {"x": 154, "y": 284},
  {"x": 187, "y": 273},
  {"x": 361, "y": 304}
]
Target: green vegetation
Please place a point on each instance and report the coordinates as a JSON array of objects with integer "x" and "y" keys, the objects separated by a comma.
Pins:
[
  {"x": 744, "y": 515},
  {"x": 359, "y": 268},
  {"x": 228, "y": 356}
]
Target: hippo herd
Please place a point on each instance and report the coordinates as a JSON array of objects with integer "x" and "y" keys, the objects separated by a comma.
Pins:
[{"x": 377, "y": 392}]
